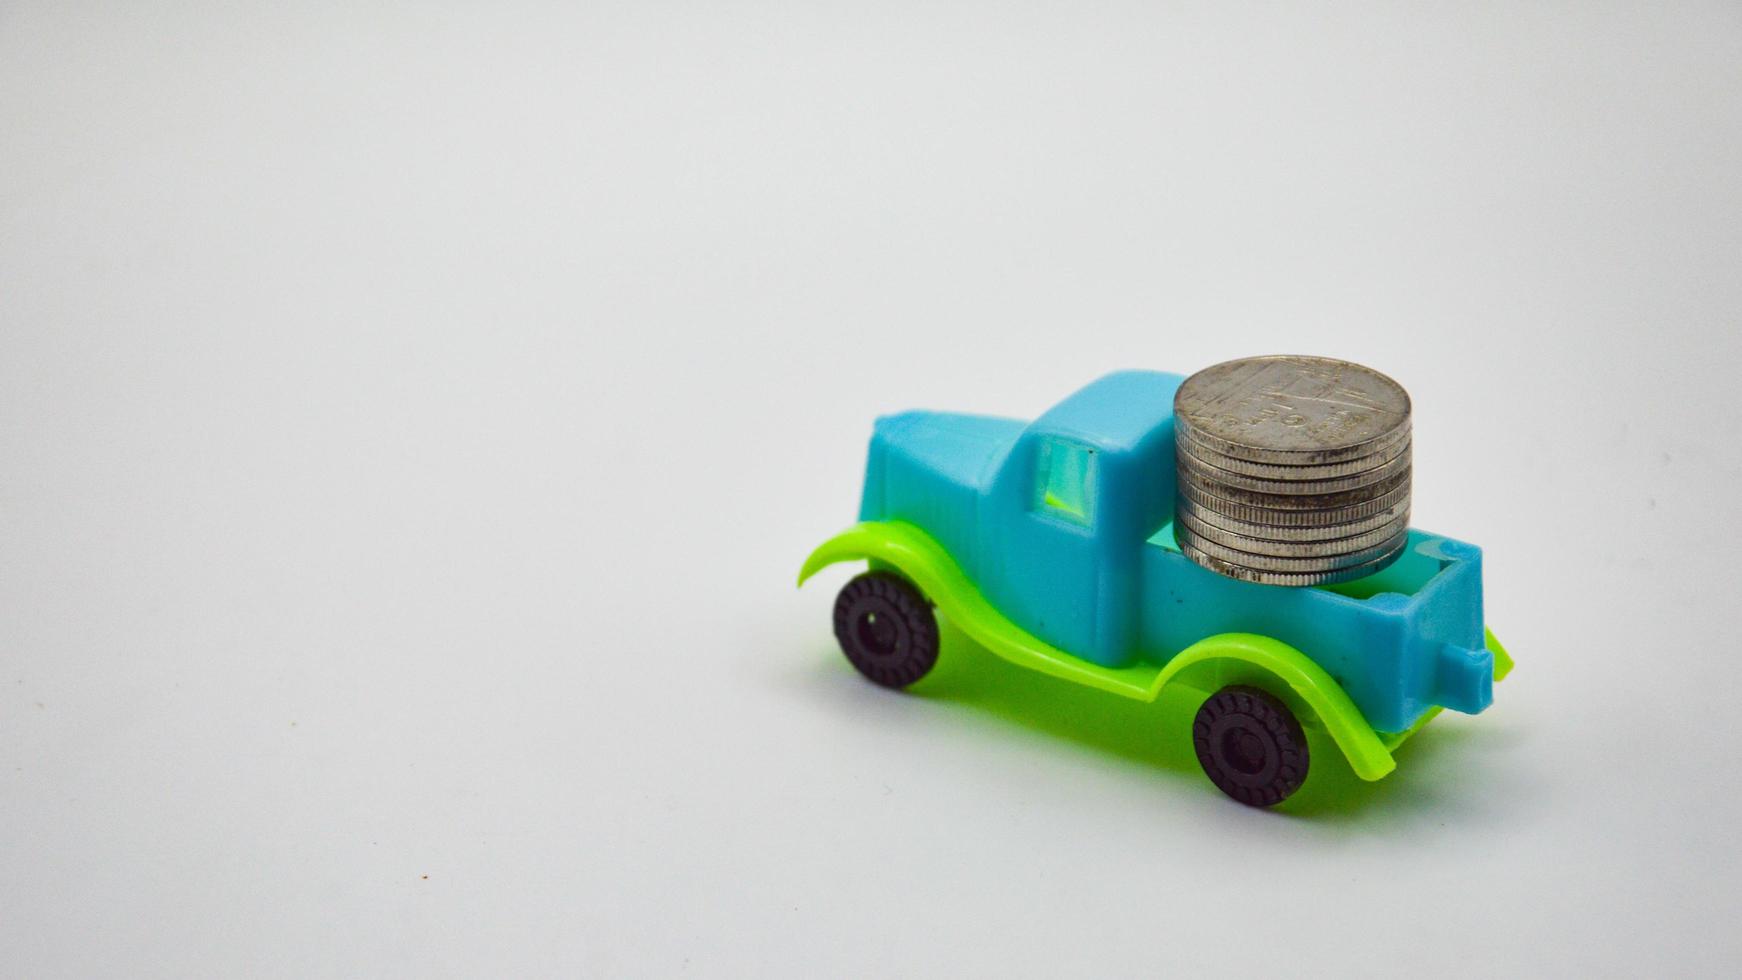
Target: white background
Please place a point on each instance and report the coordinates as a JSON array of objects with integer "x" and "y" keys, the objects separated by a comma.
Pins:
[{"x": 412, "y": 420}]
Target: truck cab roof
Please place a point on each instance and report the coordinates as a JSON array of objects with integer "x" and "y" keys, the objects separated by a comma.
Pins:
[{"x": 1114, "y": 413}]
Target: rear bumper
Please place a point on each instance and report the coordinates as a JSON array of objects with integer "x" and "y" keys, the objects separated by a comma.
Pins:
[
  {"x": 1494, "y": 663},
  {"x": 1463, "y": 678}
]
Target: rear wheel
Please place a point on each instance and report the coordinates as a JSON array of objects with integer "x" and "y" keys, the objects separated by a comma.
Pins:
[
  {"x": 1250, "y": 745},
  {"x": 887, "y": 629}
]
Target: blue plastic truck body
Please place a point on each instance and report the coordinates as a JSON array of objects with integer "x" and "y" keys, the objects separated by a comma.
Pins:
[{"x": 1065, "y": 526}]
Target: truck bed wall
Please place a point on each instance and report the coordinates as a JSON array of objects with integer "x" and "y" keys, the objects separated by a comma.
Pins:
[{"x": 1382, "y": 649}]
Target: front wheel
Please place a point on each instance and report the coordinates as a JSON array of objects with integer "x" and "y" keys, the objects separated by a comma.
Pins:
[
  {"x": 1250, "y": 745},
  {"x": 886, "y": 629}
]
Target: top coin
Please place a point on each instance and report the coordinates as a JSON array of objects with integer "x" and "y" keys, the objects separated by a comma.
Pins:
[{"x": 1292, "y": 409}]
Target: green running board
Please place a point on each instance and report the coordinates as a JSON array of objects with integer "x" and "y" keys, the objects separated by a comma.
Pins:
[{"x": 1239, "y": 657}]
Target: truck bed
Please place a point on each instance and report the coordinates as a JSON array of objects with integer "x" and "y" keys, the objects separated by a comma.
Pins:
[{"x": 1402, "y": 642}]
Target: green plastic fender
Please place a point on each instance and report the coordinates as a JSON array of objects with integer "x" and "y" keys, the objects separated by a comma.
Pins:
[{"x": 1236, "y": 655}]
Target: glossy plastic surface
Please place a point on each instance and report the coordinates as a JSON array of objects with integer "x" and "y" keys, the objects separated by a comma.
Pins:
[
  {"x": 1208, "y": 664},
  {"x": 1062, "y": 527}
]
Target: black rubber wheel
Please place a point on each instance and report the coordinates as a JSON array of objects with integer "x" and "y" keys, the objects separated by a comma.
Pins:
[
  {"x": 1250, "y": 745},
  {"x": 886, "y": 629}
]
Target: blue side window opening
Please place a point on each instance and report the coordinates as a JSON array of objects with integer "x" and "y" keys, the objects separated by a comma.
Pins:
[{"x": 1066, "y": 481}]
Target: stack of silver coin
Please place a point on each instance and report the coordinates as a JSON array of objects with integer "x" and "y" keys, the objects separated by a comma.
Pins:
[{"x": 1292, "y": 470}]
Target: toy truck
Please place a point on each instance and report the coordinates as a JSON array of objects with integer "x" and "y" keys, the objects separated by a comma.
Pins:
[{"x": 1051, "y": 544}]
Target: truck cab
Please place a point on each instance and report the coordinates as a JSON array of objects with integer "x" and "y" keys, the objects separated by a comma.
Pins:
[{"x": 1065, "y": 518}]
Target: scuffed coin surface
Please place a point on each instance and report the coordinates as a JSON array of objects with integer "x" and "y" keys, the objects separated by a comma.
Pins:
[
  {"x": 1292, "y": 409},
  {"x": 1292, "y": 470}
]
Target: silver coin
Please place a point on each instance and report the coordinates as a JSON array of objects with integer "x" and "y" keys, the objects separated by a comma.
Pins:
[
  {"x": 1288, "y": 532},
  {"x": 1275, "y": 563},
  {"x": 1290, "y": 472},
  {"x": 1319, "y": 548},
  {"x": 1292, "y": 409},
  {"x": 1398, "y": 498},
  {"x": 1318, "y": 502},
  {"x": 1212, "y": 471},
  {"x": 1295, "y": 579}
]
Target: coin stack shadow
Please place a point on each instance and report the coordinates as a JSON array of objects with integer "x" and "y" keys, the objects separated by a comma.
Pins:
[{"x": 1283, "y": 514}]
